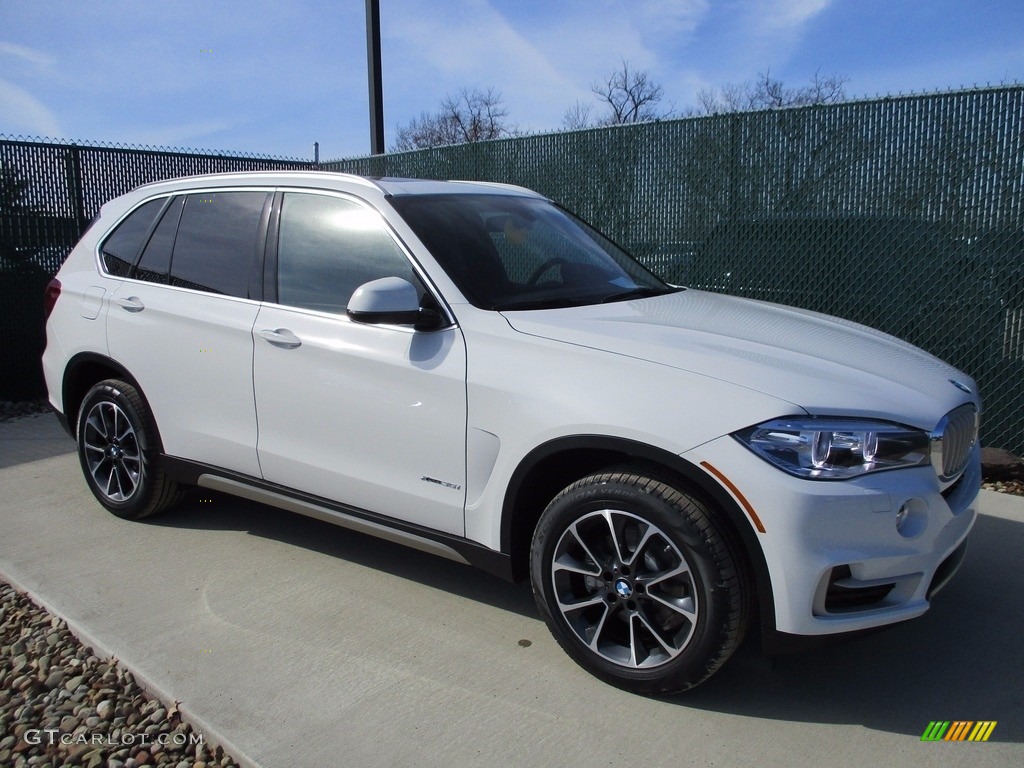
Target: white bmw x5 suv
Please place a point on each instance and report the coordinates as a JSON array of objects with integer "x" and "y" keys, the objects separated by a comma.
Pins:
[{"x": 471, "y": 370}]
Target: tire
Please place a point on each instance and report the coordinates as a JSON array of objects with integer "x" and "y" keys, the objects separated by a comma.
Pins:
[
  {"x": 119, "y": 451},
  {"x": 639, "y": 583}
]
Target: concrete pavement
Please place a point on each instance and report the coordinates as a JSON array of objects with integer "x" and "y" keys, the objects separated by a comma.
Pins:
[{"x": 294, "y": 643}]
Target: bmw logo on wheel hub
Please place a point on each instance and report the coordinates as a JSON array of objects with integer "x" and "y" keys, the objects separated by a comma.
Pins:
[{"x": 623, "y": 589}]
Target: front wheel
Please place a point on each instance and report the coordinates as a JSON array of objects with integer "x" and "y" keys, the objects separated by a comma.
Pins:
[
  {"x": 118, "y": 450},
  {"x": 638, "y": 583}
]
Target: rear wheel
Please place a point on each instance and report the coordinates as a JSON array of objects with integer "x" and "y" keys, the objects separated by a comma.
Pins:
[
  {"x": 638, "y": 582},
  {"x": 119, "y": 453}
]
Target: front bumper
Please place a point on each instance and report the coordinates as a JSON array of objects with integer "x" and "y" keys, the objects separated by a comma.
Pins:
[{"x": 835, "y": 558}]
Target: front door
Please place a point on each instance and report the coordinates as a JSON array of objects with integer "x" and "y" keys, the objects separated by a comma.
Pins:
[{"x": 367, "y": 415}]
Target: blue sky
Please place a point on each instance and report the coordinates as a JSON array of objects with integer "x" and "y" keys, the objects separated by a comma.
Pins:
[{"x": 274, "y": 76}]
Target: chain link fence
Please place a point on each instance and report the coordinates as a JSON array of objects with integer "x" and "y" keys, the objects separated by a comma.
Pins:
[
  {"x": 48, "y": 194},
  {"x": 906, "y": 214}
]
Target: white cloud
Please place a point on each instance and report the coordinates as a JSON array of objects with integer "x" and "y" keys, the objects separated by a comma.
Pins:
[
  {"x": 792, "y": 13},
  {"x": 471, "y": 45},
  {"x": 543, "y": 59},
  {"x": 24, "y": 114},
  {"x": 677, "y": 19},
  {"x": 25, "y": 53},
  {"x": 780, "y": 23},
  {"x": 188, "y": 135},
  {"x": 737, "y": 41},
  {"x": 478, "y": 38}
]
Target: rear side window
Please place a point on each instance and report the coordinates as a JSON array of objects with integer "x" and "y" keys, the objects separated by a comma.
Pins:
[
  {"x": 216, "y": 244},
  {"x": 155, "y": 264},
  {"x": 328, "y": 247},
  {"x": 122, "y": 246}
]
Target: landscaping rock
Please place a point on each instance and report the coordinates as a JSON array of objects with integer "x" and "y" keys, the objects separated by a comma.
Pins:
[{"x": 77, "y": 695}]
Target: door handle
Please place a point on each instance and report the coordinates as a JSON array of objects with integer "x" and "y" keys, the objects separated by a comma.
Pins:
[
  {"x": 131, "y": 304},
  {"x": 281, "y": 337}
]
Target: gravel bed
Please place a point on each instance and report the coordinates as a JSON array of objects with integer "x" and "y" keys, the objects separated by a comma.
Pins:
[
  {"x": 1013, "y": 487},
  {"x": 61, "y": 705}
]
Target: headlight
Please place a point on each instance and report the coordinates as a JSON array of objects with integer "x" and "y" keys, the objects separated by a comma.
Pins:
[{"x": 836, "y": 448}]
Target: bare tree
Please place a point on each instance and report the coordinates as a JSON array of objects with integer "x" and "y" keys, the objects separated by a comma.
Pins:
[
  {"x": 627, "y": 95},
  {"x": 465, "y": 117},
  {"x": 768, "y": 93},
  {"x": 578, "y": 117},
  {"x": 12, "y": 190},
  {"x": 19, "y": 244},
  {"x": 630, "y": 95}
]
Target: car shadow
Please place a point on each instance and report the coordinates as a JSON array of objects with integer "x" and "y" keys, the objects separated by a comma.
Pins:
[
  {"x": 961, "y": 661},
  {"x": 208, "y": 510}
]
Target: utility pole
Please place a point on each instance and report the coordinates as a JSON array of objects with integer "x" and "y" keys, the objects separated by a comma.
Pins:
[{"x": 374, "y": 77}]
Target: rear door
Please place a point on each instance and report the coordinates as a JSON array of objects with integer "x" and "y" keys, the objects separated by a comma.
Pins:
[{"x": 181, "y": 324}]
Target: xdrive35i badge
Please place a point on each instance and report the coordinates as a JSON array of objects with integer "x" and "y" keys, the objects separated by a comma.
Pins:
[{"x": 442, "y": 483}]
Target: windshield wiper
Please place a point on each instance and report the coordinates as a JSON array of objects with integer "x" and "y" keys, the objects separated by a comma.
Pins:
[
  {"x": 549, "y": 303},
  {"x": 560, "y": 302},
  {"x": 639, "y": 293}
]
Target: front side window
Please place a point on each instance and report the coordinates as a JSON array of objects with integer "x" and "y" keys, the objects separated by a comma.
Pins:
[
  {"x": 507, "y": 252},
  {"x": 121, "y": 247},
  {"x": 328, "y": 247},
  {"x": 216, "y": 242}
]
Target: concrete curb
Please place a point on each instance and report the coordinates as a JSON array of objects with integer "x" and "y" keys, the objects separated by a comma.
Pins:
[{"x": 87, "y": 638}]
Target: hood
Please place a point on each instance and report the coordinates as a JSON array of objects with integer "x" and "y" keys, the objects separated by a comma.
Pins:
[{"x": 820, "y": 364}]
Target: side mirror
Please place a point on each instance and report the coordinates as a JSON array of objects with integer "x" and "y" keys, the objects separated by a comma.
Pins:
[{"x": 391, "y": 301}]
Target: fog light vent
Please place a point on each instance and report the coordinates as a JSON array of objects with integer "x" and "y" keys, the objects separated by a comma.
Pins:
[{"x": 846, "y": 594}]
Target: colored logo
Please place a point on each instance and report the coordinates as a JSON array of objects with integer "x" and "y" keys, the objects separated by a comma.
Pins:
[{"x": 959, "y": 730}]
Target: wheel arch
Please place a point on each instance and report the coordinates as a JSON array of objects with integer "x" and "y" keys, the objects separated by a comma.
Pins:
[
  {"x": 82, "y": 372},
  {"x": 550, "y": 467}
]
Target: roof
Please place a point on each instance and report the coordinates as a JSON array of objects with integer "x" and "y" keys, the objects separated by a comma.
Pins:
[{"x": 334, "y": 180}]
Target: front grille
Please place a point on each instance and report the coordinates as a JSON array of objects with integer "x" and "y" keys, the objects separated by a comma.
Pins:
[{"x": 952, "y": 442}]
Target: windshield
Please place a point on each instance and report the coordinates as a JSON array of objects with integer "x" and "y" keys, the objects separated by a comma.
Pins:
[{"x": 506, "y": 252}]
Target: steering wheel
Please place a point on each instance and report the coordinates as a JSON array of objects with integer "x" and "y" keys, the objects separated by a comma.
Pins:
[{"x": 538, "y": 273}]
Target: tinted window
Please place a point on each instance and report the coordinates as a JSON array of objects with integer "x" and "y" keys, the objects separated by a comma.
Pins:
[
  {"x": 155, "y": 263},
  {"x": 216, "y": 243},
  {"x": 328, "y": 247},
  {"x": 122, "y": 246},
  {"x": 507, "y": 252}
]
